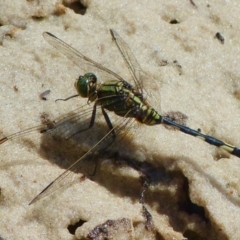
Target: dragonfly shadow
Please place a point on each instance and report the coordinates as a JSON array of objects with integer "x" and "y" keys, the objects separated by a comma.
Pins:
[
  {"x": 115, "y": 171},
  {"x": 124, "y": 176},
  {"x": 112, "y": 166}
]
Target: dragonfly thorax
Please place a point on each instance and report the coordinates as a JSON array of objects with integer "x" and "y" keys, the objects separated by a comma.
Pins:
[{"x": 86, "y": 85}]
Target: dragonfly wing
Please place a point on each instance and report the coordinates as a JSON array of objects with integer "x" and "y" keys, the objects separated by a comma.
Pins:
[
  {"x": 74, "y": 122},
  {"x": 129, "y": 59},
  {"x": 64, "y": 126},
  {"x": 151, "y": 91},
  {"x": 68, "y": 175},
  {"x": 74, "y": 55},
  {"x": 144, "y": 84}
]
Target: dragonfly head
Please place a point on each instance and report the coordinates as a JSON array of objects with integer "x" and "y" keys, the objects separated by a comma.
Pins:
[{"x": 86, "y": 85}]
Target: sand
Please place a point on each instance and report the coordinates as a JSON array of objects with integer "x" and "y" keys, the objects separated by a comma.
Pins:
[{"x": 195, "y": 192}]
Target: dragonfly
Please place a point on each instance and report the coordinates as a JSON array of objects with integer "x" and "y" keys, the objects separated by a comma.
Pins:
[{"x": 128, "y": 101}]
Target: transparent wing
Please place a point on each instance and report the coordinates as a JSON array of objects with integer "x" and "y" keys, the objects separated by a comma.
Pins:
[
  {"x": 129, "y": 59},
  {"x": 74, "y": 55},
  {"x": 144, "y": 84},
  {"x": 68, "y": 175},
  {"x": 66, "y": 126}
]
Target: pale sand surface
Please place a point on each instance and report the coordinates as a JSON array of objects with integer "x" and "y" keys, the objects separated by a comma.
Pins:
[{"x": 197, "y": 195}]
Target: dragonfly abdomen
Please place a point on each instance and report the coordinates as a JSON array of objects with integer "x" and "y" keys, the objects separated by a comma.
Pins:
[{"x": 148, "y": 115}]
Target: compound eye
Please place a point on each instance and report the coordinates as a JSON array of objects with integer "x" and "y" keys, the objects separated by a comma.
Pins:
[
  {"x": 86, "y": 84},
  {"x": 91, "y": 78},
  {"x": 81, "y": 85}
]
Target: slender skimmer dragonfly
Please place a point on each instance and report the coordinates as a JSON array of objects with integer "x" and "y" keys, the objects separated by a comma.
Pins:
[{"x": 118, "y": 96}]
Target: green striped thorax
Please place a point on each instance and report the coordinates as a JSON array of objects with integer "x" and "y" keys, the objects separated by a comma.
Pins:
[{"x": 86, "y": 86}]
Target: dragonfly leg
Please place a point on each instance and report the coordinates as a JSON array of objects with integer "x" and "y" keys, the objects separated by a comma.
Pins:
[
  {"x": 90, "y": 124},
  {"x": 94, "y": 170},
  {"x": 109, "y": 123},
  {"x": 65, "y": 99}
]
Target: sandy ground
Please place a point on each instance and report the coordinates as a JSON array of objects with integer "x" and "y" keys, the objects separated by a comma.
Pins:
[{"x": 194, "y": 193}]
